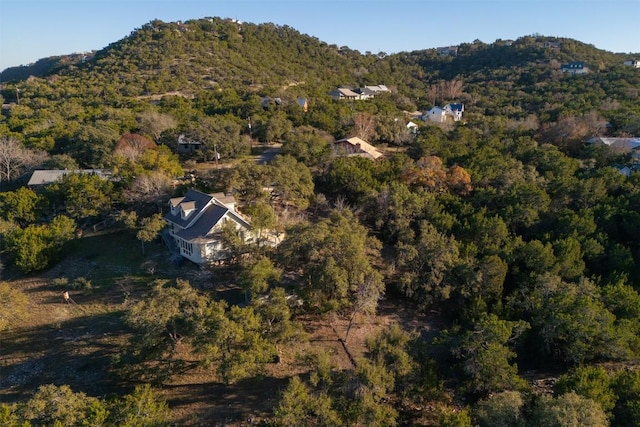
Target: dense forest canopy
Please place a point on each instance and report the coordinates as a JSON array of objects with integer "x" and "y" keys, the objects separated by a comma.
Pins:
[{"x": 520, "y": 237}]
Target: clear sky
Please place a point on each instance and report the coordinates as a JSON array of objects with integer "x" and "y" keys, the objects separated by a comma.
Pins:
[{"x": 35, "y": 29}]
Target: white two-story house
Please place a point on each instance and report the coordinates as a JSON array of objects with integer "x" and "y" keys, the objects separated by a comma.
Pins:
[{"x": 196, "y": 222}]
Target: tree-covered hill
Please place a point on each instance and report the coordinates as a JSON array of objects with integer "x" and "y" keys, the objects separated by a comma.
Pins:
[
  {"x": 202, "y": 70},
  {"x": 43, "y": 67}
]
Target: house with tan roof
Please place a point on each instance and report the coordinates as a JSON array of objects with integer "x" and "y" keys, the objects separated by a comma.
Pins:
[
  {"x": 344, "y": 93},
  {"x": 356, "y": 147}
]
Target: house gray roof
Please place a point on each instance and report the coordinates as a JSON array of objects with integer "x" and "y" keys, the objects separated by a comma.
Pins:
[
  {"x": 44, "y": 177},
  {"x": 206, "y": 211},
  {"x": 210, "y": 217},
  {"x": 199, "y": 200},
  {"x": 626, "y": 144}
]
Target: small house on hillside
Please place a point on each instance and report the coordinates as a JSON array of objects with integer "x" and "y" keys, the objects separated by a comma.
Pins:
[
  {"x": 46, "y": 177},
  {"x": 356, "y": 147},
  {"x": 196, "y": 221},
  {"x": 367, "y": 92},
  {"x": 436, "y": 114},
  {"x": 632, "y": 63},
  {"x": 550, "y": 44},
  {"x": 575, "y": 68},
  {"x": 304, "y": 104},
  {"x": 344, "y": 93},
  {"x": 450, "y": 112},
  {"x": 620, "y": 145},
  {"x": 447, "y": 51},
  {"x": 188, "y": 145},
  {"x": 455, "y": 111}
]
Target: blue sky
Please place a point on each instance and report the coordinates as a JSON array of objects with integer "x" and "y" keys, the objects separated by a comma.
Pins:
[{"x": 34, "y": 29}]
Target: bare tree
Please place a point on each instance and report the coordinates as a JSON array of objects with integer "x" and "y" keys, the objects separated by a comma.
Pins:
[
  {"x": 15, "y": 159},
  {"x": 364, "y": 126},
  {"x": 153, "y": 187},
  {"x": 452, "y": 89},
  {"x": 154, "y": 123}
]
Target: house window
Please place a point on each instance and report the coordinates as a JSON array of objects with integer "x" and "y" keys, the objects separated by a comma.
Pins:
[{"x": 186, "y": 247}]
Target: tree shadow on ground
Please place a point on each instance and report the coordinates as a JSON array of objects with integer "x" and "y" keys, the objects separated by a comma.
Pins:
[{"x": 77, "y": 352}]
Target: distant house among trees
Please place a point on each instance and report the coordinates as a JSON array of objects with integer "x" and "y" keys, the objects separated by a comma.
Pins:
[
  {"x": 344, "y": 93},
  {"x": 304, "y": 104},
  {"x": 356, "y": 147},
  {"x": 361, "y": 93},
  {"x": 619, "y": 145},
  {"x": 575, "y": 68},
  {"x": 447, "y": 51},
  {"x": 46, "y": 177},
  {"x": 197, "y": 222},
  {"x": 447, "y": 113},
  {"x": 187, "y": 145},
  {"x": 367, "y": 92},
  {"x": 632, "y": 63}
]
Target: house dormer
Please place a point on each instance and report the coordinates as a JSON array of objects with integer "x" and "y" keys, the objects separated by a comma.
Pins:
[
  {"x": 186, "y": 209},
  {"x": 175, "y": 205}
]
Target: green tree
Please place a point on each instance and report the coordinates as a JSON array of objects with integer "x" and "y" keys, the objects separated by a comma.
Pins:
[
  {"x": 142, "y": 408},
  {"x": 391, "y": 347},
  {"x": 35, "y": 247},
  {"x": 449, "y": 416},
  {"x": 53, "y": 405},
  {"x": 334, "y": 260},
  {"x": 263, "y": 218},
  {"x": 159, "y": 159},
  {"x": 161, "y": 323},
  {"x": 292, "y": 182},
  {"x": 23, "y": 205},
  {"x": 626, "y": 385},
  {"x": 592, "y": 382},
  {"x": 502, "y": 409},
  {"x": 367, "y": 394},
  {"x": 150, "y": 228},
  {"x": 276, "y": 315},
  {"x": 426, "y": 264},
  {"x": 484, "y": 353},
  {"x": 571, "y": 322},
  {"x": 84, "y": 195},
  {"x": 222, "y": 135},
  {"x": 256, "y": 276},
  {"x": 307, "y": 145},
  {"x": 9, "y": 416},
  {"x": 568, "y": 410},
  {"x": 274, "y": 127},
  {"x": 299, "y": 405},
  {"x": 234, "y": 340}
]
